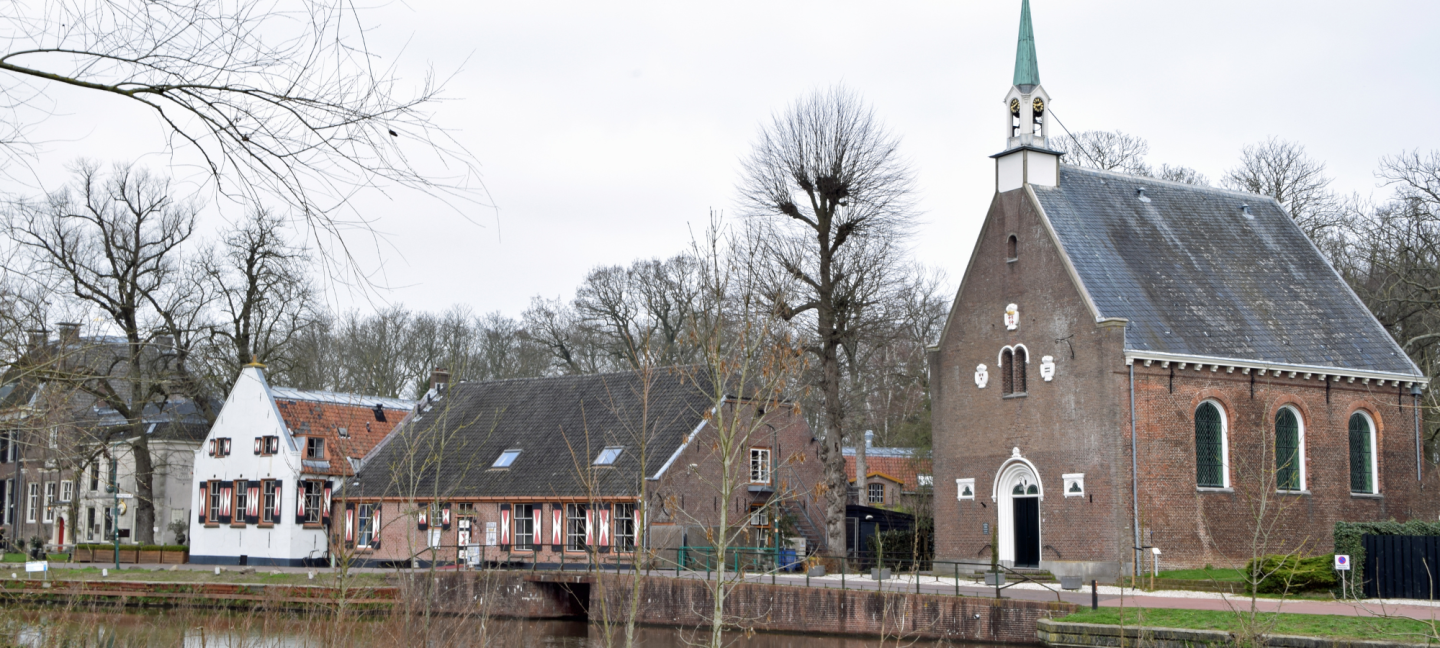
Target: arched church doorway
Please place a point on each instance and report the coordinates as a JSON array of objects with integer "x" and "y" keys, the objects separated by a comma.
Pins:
[{"x": 1017, "y": 494}]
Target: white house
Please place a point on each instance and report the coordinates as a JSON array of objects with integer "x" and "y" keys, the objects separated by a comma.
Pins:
[{"x": 265, "y": 474}]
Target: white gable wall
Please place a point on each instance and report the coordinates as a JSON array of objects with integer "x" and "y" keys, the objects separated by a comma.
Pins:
[{"x": 250, "y": 412}]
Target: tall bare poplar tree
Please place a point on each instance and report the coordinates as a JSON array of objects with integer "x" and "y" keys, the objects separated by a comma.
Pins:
[{"x": 827, "y": 180}]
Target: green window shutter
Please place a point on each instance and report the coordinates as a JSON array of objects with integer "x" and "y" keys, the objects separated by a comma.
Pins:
[
  {"x": 1209, "y": 455},
  {"x": 1361, "y": 481},
  {"x": 1287, "y": 450}
]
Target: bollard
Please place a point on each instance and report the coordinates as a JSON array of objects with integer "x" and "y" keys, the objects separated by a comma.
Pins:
[
  {"x": 842, "y": 573},
  {"x": 1094, "y": 596},
  {"x": 957, "y": 579}
]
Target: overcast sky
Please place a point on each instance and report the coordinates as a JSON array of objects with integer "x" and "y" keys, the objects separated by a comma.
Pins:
[{"x": 607, "y": 132}]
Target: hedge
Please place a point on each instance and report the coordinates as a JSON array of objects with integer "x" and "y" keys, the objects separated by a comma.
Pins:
[
  {"x": 1347, "y": 539},
  {"x": 1293, "y": 574}
]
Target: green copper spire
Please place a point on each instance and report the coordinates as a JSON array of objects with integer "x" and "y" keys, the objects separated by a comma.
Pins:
[{"x": 1027, "y": 70}]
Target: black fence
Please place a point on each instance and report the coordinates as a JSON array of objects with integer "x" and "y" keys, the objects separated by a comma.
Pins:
[{"x": 1401, "y": 566}]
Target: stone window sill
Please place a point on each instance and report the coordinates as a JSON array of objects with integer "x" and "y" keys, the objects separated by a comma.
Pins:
[
  {"x": 1019, "y": 395},
  {"x": 1367, "y": 496},
  {"x": 1213, "y": 489},
  {"x": 1292, "y": 492}
]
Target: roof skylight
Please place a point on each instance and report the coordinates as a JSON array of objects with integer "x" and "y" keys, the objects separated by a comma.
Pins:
[
  {"x": 608, "y": 456},
  {"x": 506, "y": 458}
]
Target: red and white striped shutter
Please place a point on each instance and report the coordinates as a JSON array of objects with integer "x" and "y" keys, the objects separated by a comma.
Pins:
[
  {"x": 325, "y": 506},
  {"x": 604, "y": 525},
  {"x": 504, "y": 525},
  {"x": 557, "y": 527},
  {"x": 204, "y": 500},
  {"x": 252, "y": 502},
  {"x": 278, "y": 493},
  {"x": 299, "y": 502},
  {"x": 589, "y": 526},
  {"x": 349, "y": 523},
  {"x": 422, "y": 518},
  {"x": 375, "y": 528},
  {"x": 537, "y": 536},
  {"x": 257, "y": 445}
]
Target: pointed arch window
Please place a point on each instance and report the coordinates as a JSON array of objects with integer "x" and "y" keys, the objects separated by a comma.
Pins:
[
  {"x": 1007, "y": 377},
  {"x": 1021, "y": 359},
  {"x": 1211, "y": 457},
  {"x": 1289, "y": 451},
  {"x": 1362, "y": 455}
]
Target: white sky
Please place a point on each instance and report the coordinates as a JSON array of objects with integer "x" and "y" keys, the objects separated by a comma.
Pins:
[{"x": 608, "y": 131}]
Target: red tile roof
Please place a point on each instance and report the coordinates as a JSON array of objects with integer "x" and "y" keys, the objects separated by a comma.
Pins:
[
  {"x": 361, "y": 430},
  {"x": 903, "y": 469}
]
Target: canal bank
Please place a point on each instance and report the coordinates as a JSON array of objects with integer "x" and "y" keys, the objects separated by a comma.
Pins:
[{"x": 664, "y": 601}]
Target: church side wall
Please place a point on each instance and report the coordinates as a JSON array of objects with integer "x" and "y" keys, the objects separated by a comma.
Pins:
[
  {"x": 1194, "y": 528},
  {"x": 1065, "y": 426}
]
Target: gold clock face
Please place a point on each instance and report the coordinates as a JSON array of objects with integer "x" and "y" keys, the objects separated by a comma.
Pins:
[
  {"x": 1015, "y": 107},
  {"x": 1039, "y": 105}
]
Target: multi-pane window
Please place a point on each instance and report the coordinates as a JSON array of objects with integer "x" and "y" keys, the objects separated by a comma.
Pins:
[
  {"x": 366, "y": 525},
  {"x": 624, "y": 527},
  {"x": 267, "y": 445},
  {"x": 575, "y": 527},
  {"x": 67, "y": 490},
  {"x": 220, "y": 447},
  {"x": 1209, "y": 447},
  {"x": 33, "y": 502},
  {"x": 524, "y": 524},
  {"x": 213, "y": 506},
  {"x": 760, "y": 517},
  {"x": 759, "y": 465},
  {"x": 49, "y": 511},
  {"x": 242, "y": 500},
  {"x": 1362, "y": 454},
  {"x": 314, "y": 490},
  {"x": 1287, "y": 451},
  {"x": 268, "y": 494},
  {"x": 90, "y": 523},
  {"x": 1021, "y": 358},
  {"x": 95, "y": 476},
  {"x": 314, "y": 448},
  {"x": 875, "y": 493},
  {"x": 1007, "y": 377}
]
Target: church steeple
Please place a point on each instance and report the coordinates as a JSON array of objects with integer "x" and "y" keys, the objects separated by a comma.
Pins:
[
  {"x": 1027, "y": 70},
  {"x": 1027, "y": 158}
]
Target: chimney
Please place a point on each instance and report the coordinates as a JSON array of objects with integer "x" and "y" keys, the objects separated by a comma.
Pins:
[
  {"x": 869, "y": 438},
  {"x": 439, "y": 377},
  {"x": 69, "y": 333},
  {"x": 38, "y": 339},
  {"x": 166, "y": 344}
]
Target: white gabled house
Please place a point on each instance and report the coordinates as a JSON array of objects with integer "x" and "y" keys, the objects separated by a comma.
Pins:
[{"x": 265, "y": 474}]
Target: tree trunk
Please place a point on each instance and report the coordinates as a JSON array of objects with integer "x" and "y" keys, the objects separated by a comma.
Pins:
[{"x": 144, "y": 489}]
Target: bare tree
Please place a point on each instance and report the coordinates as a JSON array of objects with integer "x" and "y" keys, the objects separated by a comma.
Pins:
[
  {"x": 1106, "y": 150},
  {"x": 1285, "y": 172},
  {"x": 827, "y": 180},
  {"x": 113, "y": 241},
  {"x": 284, "y": 101}
]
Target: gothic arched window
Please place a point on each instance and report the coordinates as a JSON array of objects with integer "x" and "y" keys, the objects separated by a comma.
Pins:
[
  {"x": 1289, "y": 458},
  {"x": 1362, "y": 454},
  {"x": 1210, "y": 456},
  {"x": 1007, "y": 374},
  {"x": 1020, "y": 359}
]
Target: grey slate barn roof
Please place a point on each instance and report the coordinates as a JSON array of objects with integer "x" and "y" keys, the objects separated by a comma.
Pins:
[
  {"x": 1195, "y": 275},
  {"x": 560, "y": 425}
]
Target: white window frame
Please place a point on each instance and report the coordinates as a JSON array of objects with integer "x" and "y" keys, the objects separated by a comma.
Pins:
[
  {"x": 268, "y": 492},
  {"x": 365, "y": 525},
  {"x": 609, "y": 455},
  {"x": 870, "y": 493},
  {"x": 32, "y": 501},
  {"x": 212, "y": 502},
  {"x": 47, "y": 514},
  {"x": 575, "y": 528},
  {"x": 1300, "y": 442},
  {"x": 67, "y": 491},
  {"x": 759, "y": 465},
  {"x": 315, "y": 448},
  {"x": 1374, "y": 458},
  {"x": 313, "y": 491},
  {"x": 760, "y": 517},
  {"x": 625, "y": 514},
  {"x": 1224, "y": 441},
  {"x": 522, "y": 525}
]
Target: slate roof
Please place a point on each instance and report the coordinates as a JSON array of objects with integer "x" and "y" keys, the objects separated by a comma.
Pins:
[
  {"x": 1195, "y": 275},
  {"x": 326, "y": 414},
  {"x": 560, "y": 424}
]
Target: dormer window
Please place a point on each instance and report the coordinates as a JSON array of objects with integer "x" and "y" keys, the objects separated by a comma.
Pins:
[
  {"x": 314, "y": 448},
  {"x": 608, "y": 456},
  {"x": 505, "y": 459}
]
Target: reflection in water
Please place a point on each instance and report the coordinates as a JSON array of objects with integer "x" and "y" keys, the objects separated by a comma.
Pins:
[{"x": 190, "y": 629}]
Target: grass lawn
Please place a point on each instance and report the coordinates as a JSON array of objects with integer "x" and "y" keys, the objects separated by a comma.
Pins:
[
  {"x": 1319, "y": 625},
  {"x": 15, "y": 558},
  {"x": 261, "y": 576},
  {"x": 1217, "y": 575}
]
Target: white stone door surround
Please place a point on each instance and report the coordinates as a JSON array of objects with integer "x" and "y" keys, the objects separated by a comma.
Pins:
[{"x": 1016, "y": 471}]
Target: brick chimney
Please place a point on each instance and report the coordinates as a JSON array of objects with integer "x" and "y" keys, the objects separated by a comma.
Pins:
[
  {"x": 37, "y": 339},
  {"x": 69, "y": 333},
  {"x": 439, "y": 377}
]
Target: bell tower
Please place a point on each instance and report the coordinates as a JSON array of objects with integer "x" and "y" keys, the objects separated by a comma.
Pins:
[{"x": 1027, "y": 158}]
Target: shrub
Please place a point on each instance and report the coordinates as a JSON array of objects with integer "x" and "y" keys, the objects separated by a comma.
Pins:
[{"x": 1282, "y": 574}]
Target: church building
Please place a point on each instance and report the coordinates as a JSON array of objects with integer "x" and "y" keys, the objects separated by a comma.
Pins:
[{"x": 1133, "y": 365}]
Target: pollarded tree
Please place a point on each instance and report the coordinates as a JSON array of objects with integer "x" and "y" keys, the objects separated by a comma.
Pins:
[{"x": 827, "y": 180}]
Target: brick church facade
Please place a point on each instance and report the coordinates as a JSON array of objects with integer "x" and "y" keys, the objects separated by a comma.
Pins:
[{"x": 1134, "y": 363}]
